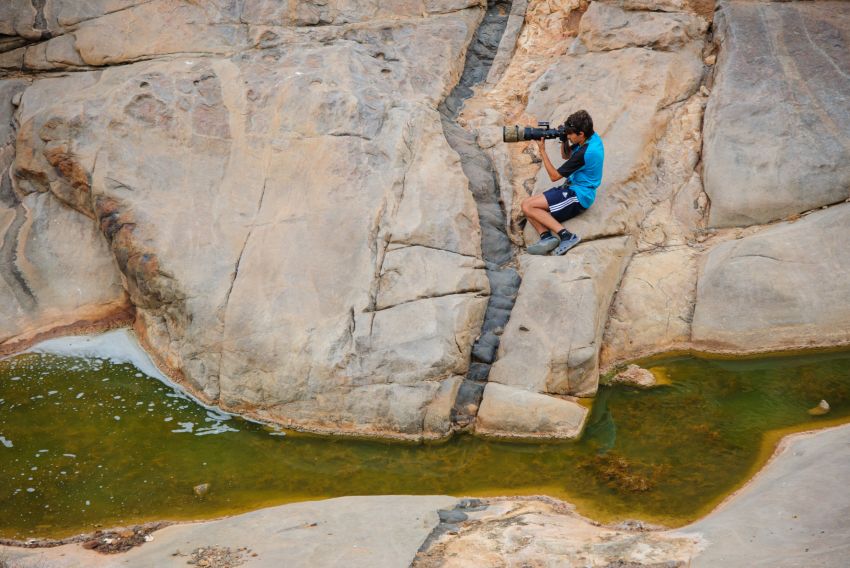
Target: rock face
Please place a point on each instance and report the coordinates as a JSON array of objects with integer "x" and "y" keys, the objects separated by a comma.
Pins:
[
  {"x": 551, "y": 343},
  {"x": 776, "y": 129},
  {"x": 275, "y": 243},
  {"x": 268, "y": 188},
  {"x": 635, "y": 95},
  {"x": 792, "y": 279},
  {"x": 56, "y": 269},
  {"x": 654, "y": 305}
]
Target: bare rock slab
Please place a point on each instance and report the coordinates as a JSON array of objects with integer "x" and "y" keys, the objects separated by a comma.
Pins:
[
  {"x": 551, "y": 343},
  {"x": 654, "y": 305},
  {"x": 511, "y": 412},
  {"x": 355, "y": 532},
  {"x": 777, "y": 122},
  {"x": 786, "y": 287},
  {"x": 606, "y": 27},
  {"x": 794, "y": 513},
  {"x": 633, "y": 100}
]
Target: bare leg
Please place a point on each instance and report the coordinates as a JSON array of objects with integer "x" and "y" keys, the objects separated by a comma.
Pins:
[{"x": 536, "y": 210}]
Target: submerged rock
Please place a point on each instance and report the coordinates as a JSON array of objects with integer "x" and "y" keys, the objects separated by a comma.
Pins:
[
  {"x": 201, "y": 490},
  {"x": 821, "y": 409},
  {"x": 635, "y": 376}
]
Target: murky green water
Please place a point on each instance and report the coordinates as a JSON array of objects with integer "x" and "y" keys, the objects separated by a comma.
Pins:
[{"x": 88, "y": 442}]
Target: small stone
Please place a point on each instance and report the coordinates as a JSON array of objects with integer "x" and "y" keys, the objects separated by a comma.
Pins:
[
  {"x": 202, "y": 489},
  {"x": 16, "y": 99},
  {"x": 704, "y": 90},
  {"x": 127, "y": 533},
  {"x": 635, "y": 376},
  {"x": 91, "y": 544},
  {"x": 821, "y": 409},
  {"x": 710, "y": 60}
]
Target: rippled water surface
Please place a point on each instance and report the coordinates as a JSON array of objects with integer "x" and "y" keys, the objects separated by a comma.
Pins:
[{"x": 87, "y": 442}]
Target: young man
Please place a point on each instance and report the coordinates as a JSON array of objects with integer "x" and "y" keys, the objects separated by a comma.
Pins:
[{"x": 583, "y": 170}]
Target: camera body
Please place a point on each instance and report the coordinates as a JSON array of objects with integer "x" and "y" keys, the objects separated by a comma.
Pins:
[{"x": 512, "y": 134}]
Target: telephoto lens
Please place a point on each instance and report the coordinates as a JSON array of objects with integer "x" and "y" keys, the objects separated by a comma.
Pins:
[{"x": 513, "y": 134}]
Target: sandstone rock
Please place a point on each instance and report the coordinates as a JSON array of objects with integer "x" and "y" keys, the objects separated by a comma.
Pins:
[
  {"x": 606, "y": 27},
  {"x": 413, "y": 273},
  {"x": 653, "y": 309},
  {"x": 785, "y": 287},
  {"x": 544, "y": 532},
  {"x": 654, "y": 5},
  {"x": 634, "y": 376},
  {"x": 632, "y": 102},
  {"x": 551, "y": 343},
  {"x": 514, "y": 412},
  {"x": 275, "y": 243},
  {"x": 56, "y": 270},
  {"x": 776, "y": 125}
]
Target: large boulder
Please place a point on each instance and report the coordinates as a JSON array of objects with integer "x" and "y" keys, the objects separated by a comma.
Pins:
[
  {"x": 785, "y": 287},
  {"x": 273, "y": 211},
  {"x": 776, "y": 126},
  {"x": 551, "y": 343}
]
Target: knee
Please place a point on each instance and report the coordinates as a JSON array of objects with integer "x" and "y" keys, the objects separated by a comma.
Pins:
[{"x": 525, "y": 205}]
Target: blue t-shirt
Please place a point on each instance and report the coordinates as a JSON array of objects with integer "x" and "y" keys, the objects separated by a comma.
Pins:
[{"x": 583, "y": 169}]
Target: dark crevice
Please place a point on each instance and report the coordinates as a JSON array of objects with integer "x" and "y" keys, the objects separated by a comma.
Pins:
[
  {"x": 496, "y": 247},
  {"x": 40, "y": 23},
  {"x": 9, "y": 255}
]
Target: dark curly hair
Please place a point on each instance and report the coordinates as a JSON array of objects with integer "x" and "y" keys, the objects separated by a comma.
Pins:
[{"x": 580, "y": 121}]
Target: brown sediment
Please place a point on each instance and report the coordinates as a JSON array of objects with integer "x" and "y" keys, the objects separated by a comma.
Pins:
[
  {"x": 94, "y": 320},
  {"x": 122, "y": 538},
  {"x": 704, "y": 8}
]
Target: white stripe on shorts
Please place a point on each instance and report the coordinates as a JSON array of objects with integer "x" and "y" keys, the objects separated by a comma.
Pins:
[{"x": 562, "y": 204}]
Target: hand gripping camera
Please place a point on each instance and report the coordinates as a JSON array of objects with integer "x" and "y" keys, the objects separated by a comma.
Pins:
[{"x": 524, "y": 134}]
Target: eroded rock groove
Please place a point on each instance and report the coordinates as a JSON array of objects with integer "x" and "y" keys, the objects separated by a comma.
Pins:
[{"x": 496, "y": 247}]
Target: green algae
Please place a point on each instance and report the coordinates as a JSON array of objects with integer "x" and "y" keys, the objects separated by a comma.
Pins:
[{"x": 86, "y": 443}]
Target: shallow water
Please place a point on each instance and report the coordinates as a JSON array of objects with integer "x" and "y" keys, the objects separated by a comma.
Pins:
[{"x": 87, "y": 442}]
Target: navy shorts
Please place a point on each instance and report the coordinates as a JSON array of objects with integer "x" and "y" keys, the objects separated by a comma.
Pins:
[{"x": 563, "y": 203}]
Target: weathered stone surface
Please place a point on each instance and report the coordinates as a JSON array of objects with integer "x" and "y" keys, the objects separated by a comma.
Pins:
[
  {"x": 413, "y": 273},
  {"x": 511, "y": 412},
  {"x": 55, "y": 270},
  {"x": 776, "y": 135},
  {"x": 276, "y": 243},
  {"x": 786, "y": 287},
  {"x": 633, "y": 100},
  {"x": 606, "y": 26},
  {"x": 355, "y": 532},
  {"x": 551, "y": 343},
  {"x": 654, "y": 306},
  {"x": 547, "y": 533}
]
